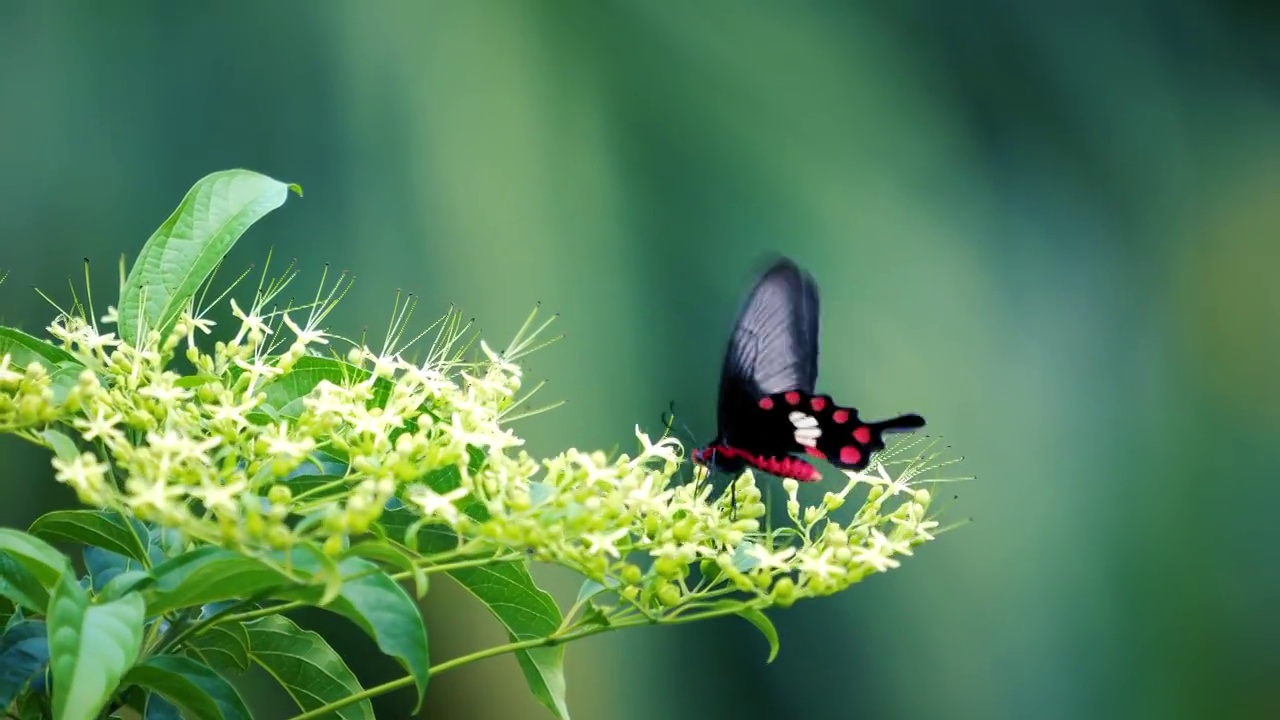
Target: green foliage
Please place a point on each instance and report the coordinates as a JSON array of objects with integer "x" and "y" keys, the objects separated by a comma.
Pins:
[
  {"x": 107, "y": 529},
  {"x": 380, "y": 607},
  {"x": 305, "y": 666},
  {"x": 527, "y": 612},
  {"x": 23, "y": 349},
  {"x": 195, "y": 687},
  {"x": 208, "y": 575},
  {"x": 273, "y": 477},
  {"x": 29, "y": 569},
  {"x": 90, "y": 648},
  {"x": 186, "y": 247}
]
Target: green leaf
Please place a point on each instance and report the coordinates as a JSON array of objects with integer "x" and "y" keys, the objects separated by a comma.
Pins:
[
  {"x": 23, "y": 349},
  {"x": 381, "y": 608},
  {"x": 182, "y": 252},
  {"x": 119, "y": 584},
  {"x": 392, "y": 555},
  {"x": 208, "y": 574},
  {"x": 760, "y": 621},
  {"x": 203, "y": 693},
  {"x": 63, "y": 446},
  {"x": 40, "y": 561},
  {"x": 96, "y": 528},
  {"x": 224, "y": 646},
  {"x": 306, "y": 666},
  {"x": 507, "y": 590},
  {"x": 63, "y": 378},
  {"x": 20, "y": 585},
  {"x": 285, "y": 394},
  {"x": 158, "y": 707},
  {"x": 24, "y": 654},
  {"x": 528, "y": 612},
  {"x": 591, "y": 588},
  {"x": 91, "y": 648}
]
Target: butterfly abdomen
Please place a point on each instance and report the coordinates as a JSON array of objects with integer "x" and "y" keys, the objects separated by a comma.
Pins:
[{"x": 780, "y": 465}]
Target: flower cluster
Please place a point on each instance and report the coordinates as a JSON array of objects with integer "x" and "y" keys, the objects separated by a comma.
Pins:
[{"x": 265, "y": 442}]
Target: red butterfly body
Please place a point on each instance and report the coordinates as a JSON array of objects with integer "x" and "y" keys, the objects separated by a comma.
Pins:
[{"x": 768, "y": 411}]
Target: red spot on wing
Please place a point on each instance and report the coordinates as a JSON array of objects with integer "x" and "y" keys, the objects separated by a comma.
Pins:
[
  {"x": 816, "y": 453},
  {"x": 850, "y": 455},
  {"x": 862, "y": 435},
  {"x": 792, "y": 397},
  {"x": 766, "y": 403},
  {"x": 840, "y": 416},
  {"x": 817, "y": 403}
]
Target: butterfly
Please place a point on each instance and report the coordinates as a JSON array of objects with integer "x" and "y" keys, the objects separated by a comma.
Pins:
[{"x": 768, "y": 411}]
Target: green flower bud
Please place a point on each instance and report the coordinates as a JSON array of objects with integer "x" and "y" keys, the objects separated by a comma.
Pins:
[
  {"x": 279, "y": 494},
  {"x": 630, "y": 574},
  {"x": 667, "y": 567},
  {"x": 333, "y": 545},
  {"x": 784, "y": 592},
  {"x": 683, "y": 530}
]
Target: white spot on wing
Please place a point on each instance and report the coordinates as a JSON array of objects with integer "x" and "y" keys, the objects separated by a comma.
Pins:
[
  {"x": 801, "y": 420},
  {"x": 807, "y": 430}
]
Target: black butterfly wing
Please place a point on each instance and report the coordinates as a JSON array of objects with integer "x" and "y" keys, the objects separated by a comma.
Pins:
[{"x": 774, "y": 346}]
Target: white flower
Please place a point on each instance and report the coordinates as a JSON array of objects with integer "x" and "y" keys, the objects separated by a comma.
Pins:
[
  {"x": 220, "y": 497},
  {"x": 604, "y": 542},
  {"x": 433, "y": 504},
  {"x": 235, "y": 414},
  {"x": 281, "y": 445},
  {"x": 769, "y": 560},
  {"x": 661, "y": 449},
  {"x": 193, "y": 324},
  {"x": 164, "y": 391},
  {"x": 84, "y": 473},
  {"x": 819, "y": 565},
  {"x": 256, "y": 370},
  {"x": 878, "y": 554},
  {"x": 308, "y": 335},
  {"x": 250, "y": 321},
  {"x": 101, "y": 425},
  {"x": 7, "y": 376}
]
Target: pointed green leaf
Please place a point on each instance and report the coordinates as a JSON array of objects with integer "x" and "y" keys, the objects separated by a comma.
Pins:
[
  {"x": 528, "y": 612},
  {"x": 63, "y": 446},
  {"x": 40, "y": 561},
  {"x": 182, "y": 252},
  {"x": 760, "y": 621},
  {"x": 91, "y": 647},
  {"x": 203, "y": 693},
  {"x": 392, "y": 555},
  {"x": 224, "y": 646},
  {"x": 23, "y": 349},
  {"x": 96, "y": 528},
  {"x": 159, "y": 708},
  {"x": 381, "y": 608},
  {"x": 305, "y": 666},
  {"x": 18, "y": 584},
  {"x": 208, "y": 574},
  {"x": 24, "y": 654},
  {"x": 507, "y": 590}
]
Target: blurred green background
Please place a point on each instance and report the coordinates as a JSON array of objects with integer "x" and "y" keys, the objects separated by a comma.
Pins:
[{"x": 1050, "y": 230}]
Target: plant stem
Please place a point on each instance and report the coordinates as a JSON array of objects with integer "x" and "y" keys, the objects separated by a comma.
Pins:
[
  {"x": 406, "y": 681},
  {"x": 556, "y": 638},
  {"x": 261, "y": 612}
]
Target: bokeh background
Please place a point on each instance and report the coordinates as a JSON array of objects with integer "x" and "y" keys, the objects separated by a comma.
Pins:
[{"x": 1050, "y": 230}]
